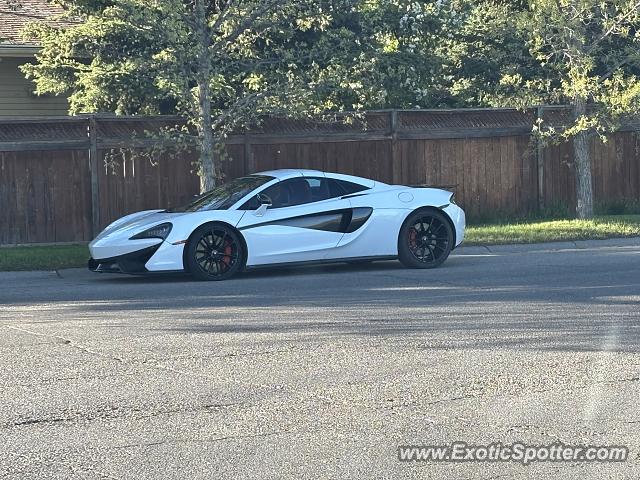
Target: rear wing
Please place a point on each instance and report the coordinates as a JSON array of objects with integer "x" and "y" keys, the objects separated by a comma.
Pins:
[{"x": 441, "y": 187}]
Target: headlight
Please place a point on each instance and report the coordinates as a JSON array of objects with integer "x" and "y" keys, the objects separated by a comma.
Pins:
[
  {"x": 452, "y": 200},
  {"x": 159, "y": 231}
]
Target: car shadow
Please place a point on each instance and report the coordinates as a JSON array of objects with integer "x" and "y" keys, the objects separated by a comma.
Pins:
[{"x": 274, "y": 271}]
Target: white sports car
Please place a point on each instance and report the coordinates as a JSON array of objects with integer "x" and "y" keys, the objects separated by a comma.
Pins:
[{"x": 284, "y": 217}]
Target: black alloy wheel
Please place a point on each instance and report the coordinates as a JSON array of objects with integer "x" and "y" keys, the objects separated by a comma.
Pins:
[
  {"x": 425, "y": 240},
  {"x": 214, "y": 252}
]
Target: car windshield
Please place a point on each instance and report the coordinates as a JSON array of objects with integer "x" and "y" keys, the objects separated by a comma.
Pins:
[{"x": 224, "y": 196}]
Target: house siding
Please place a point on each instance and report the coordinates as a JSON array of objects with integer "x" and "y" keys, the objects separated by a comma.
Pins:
[{"x": 17, "y": 97}]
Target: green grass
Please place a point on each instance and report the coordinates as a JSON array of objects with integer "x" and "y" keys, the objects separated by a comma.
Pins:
[
  {"x": 43, "y": 258},
  {"x": 530, "y": 231},
  {"x": 539, "y": 231}
]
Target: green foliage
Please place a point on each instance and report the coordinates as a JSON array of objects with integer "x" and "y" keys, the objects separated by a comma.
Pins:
[
  {"x": 300, "y": 58},
  {"x": 592, "y": 50},
  {"x": 520, "y": 54},
  {"x": 264, "y": 56},
  {"x": 456, "y": 52},
  {"x": 313, "y": 56}
]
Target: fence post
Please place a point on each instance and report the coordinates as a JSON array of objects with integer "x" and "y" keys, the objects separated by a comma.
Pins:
[
  {"x": 93, "y": 169},
  {"x": 396, "y": 167},
  {"x": 540, "y": 162},
  {"x": 248, "y": 155}
]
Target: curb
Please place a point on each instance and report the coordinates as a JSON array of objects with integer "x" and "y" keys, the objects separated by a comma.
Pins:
[
  {"x": 547, "y": 247},
  {"x": 9, "y": 276}
]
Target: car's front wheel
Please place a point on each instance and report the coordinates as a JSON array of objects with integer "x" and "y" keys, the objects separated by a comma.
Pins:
[
  {"x": 214, "y": 252},
  {"x": 425, "y": 240}
]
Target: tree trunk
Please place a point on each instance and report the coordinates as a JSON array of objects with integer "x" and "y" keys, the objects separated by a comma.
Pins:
[
  {"x": 207, "y": 167},
  {"x": 582, "y": 160},
  {"x": 205, "y": 132}
]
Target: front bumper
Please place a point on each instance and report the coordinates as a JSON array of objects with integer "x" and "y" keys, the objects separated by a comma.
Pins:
[{"x": 132, "y": 263}]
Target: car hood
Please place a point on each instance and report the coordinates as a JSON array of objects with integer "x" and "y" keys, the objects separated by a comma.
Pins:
[
  {"x": 139, "y": 221},
  {"x": 183, "y": 223}
]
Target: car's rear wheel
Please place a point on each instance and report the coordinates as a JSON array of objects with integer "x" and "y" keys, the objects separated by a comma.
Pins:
[
  {"x": 214, "y": 252},
  {"x": 425, "y": 240}
]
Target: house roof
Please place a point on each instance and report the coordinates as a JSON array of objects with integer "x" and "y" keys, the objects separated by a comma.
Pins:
[{"x": 16, "y": 14}]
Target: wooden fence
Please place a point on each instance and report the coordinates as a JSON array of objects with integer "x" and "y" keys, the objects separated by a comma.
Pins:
[{"x": 55, "y": 186}]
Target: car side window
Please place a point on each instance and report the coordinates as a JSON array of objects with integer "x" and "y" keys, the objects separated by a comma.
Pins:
[
  {"x": 281, "y": 194},
  {"x": 294, "y": 191},
  {"x": 251, "y": 204},
  {"x": 302, "y": 190},
  {"x": 342, "y": 187},
  {"x": 298, "y": 191}
]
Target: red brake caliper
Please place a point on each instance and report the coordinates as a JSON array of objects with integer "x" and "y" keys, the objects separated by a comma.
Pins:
[
  {"x": 227, "y": 254},
  {"x": 412, "y": 237}
]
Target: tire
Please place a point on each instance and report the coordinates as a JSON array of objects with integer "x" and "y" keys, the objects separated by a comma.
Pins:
[
  {"x": 425, "y": 240},
  {"x": 214, "y": 252}
]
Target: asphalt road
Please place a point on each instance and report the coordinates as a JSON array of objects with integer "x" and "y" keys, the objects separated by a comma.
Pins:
[{"x": 323, "y": 372}]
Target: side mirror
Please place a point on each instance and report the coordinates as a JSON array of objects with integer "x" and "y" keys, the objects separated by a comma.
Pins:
[
  {"x": 264, "y": 199},
  {"x": 265, "y": 202}
]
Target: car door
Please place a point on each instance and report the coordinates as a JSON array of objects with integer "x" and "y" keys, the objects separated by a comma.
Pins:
[
  {"x": 375, "y": 223},
  {"x": 306, "y": 220}
]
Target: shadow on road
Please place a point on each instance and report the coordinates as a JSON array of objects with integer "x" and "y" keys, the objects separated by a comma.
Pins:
[{"x": 552, "y": 302}]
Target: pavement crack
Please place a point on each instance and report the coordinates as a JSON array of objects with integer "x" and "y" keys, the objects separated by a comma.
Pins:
[
  {"x": 215, "y": 355},
  {"x": 37, "y": 421},
  {"x": 116, "y": 413},
  {"x": 50, "y": 381},
  {"x": 454, "y": 399},
  {"x": 210, "y": 440},
  {"x": 83, "y": 349},
  {"x": 65, "y": 341},
  {"x": 186, "y": 373}
]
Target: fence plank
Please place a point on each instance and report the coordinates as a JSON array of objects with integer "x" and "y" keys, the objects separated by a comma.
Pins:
[{"x": 46, "y": 184}]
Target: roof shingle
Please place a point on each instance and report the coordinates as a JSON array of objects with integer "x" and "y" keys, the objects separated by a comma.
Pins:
[{"x": 15, "y": 15}]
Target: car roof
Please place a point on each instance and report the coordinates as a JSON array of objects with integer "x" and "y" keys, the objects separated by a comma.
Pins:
[{"x": 285, "y": 173}]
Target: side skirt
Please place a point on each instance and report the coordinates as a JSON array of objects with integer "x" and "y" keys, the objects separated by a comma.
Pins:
[
  {"x": 322, "y": 262},
  {"x": 148, "y": 273}
]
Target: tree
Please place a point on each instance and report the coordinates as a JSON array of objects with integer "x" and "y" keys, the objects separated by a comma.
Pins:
[
  {"x": 452, "y": 53},
  {"x": 221, "y": 64},
  {"x": 589, "y": 57},
  {"x": 481, "y": 43}
]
